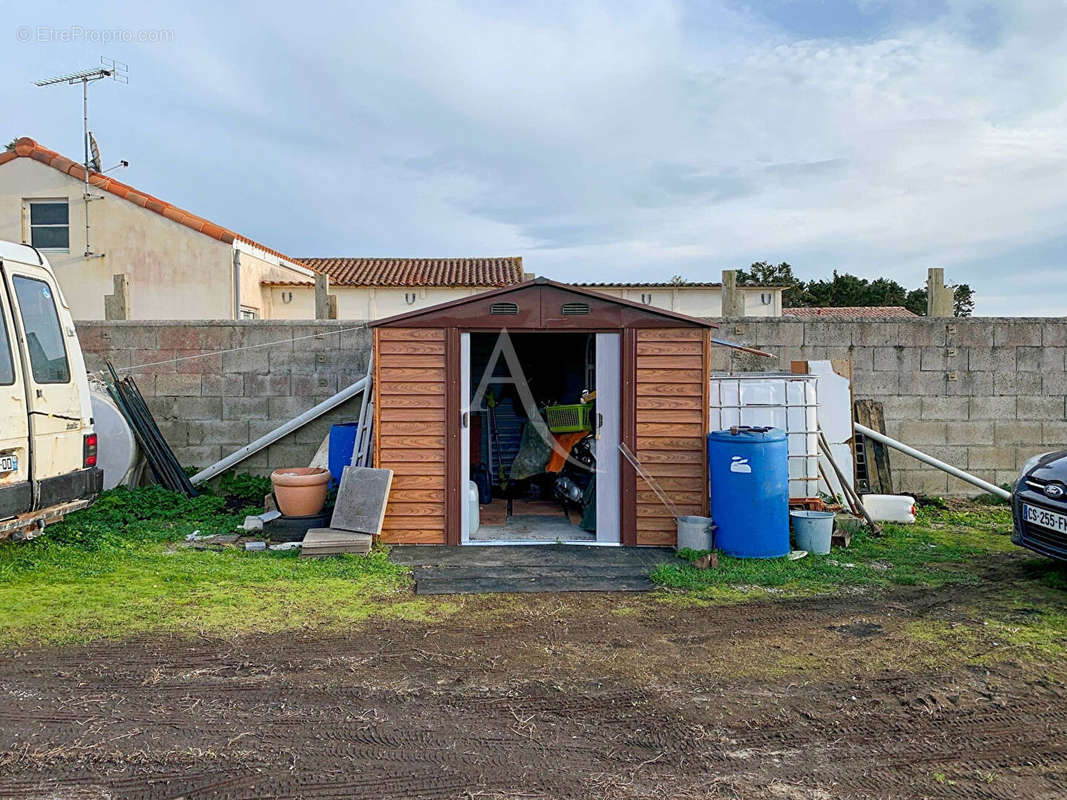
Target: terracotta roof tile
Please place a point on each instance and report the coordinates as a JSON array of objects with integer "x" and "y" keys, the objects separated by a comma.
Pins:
[
  {"x": 504, "y": 271},
  {"x": 848, "y": 311},
  {"x": 28, "y": 148}
]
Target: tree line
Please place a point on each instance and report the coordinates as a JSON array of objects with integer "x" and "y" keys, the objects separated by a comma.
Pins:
[{"x": 844, "y": 289}]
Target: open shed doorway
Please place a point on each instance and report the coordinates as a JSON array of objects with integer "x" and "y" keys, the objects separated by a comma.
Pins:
[{"x": 540, "y": 438}]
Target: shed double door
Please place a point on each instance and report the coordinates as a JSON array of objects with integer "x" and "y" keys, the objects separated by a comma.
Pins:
[{"x": 608, "y": 431}]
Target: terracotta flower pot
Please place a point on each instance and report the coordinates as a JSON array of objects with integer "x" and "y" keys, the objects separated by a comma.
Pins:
[{"x": 300, "y": 491}]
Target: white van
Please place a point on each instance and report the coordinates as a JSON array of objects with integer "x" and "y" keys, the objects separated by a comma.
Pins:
[{"x": 48, "y": 460}]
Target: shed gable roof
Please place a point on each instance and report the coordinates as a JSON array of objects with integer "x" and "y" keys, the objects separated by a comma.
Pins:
[{"x": 476, "y": 310}]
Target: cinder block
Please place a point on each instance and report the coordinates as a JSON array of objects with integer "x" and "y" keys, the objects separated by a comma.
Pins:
[
  {"x": 923, "y": 482},
  {"x": 233, "y": 432},
  {"x": 232, "y": 385},
  {"x": 1052, "y": 359},
  {"x": 970, "y": 332},
  {"x": 918, "y": 433},
  {"x": 970, "y": 432},
  {"x": 196, "y": 407},
  {"x": 320, "y": 385},
  {"x": 779, "y": 333},
  {"x": 178, "y": 385},
  {"x": 299, "y": 362},
  {"x": 875, "y": 334},
  {"x": 991, "y": 457},
  {"x": 271, "y": 335},
  {"x": 923, "y": 383},
  {"x": 1016, "y": 334},
  {"x": 314, "y": 338},
  {"x": 992, "y": 408},
  {"x": 956, "y": 454},
  {"x": 1028, "y": 359},
  {"x": 969, "y": 384},
  {"x": 878, "y": 385},
  {"x": 1054, "y": 434},
  {"x": 244, "y": 408},
  {"x": 958, "y": 488},
  {"x": 1016, "y": 432},
  {"x": 932, "y": 359},
  {"x": 1040, "y": 407},
  {"x": 132, "y": 335},
  {"x": 286, "y": 454},
  {"x": 1016, "y": 383},
  {"x": 195, "y": 362},
  {"x": 1054, "y": 333},
  {"x": 1054, "y": 383},
  {"x": 176, "y": 432},
  {"x": 827, "y": 334},
  {"x": 900, "y": 407},
  {"x": 896, "y": 359},
  {"x": 355, "y": 336},
  {"x": 254, "y": 361},
  {"x": 158, "y": 361},
  {"x": 214, "y": 337},
  {"x": 862, "y": 359},
  {"x": 281, "y": 409},
  {"x": 948, "y": 408},
  {"x": 198, "y": 456},
  {"x": 268, "y": 385},
  {"x": 922, "y": 333},
  {"x": 991, "y": 359},
  {"x": 179, "y": 337}
]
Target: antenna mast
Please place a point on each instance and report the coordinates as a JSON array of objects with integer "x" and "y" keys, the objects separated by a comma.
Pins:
[{"x": 115, "y": 70}]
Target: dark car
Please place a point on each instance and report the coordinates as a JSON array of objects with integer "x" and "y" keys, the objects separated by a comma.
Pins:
[{"x": 1039, "y": 505}]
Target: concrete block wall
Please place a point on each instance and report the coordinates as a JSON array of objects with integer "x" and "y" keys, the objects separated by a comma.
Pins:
[
  {"x": 983, "y": 394},
  {"x": 209, "y": 402}
]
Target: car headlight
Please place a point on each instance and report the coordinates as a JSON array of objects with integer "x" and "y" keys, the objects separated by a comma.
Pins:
[{"x": 1029, "y": 465}]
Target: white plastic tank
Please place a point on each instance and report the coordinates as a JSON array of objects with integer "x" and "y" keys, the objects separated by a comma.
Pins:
[
  {"x": 890, "y": 507},
  {"x": 117, "y": 453}
]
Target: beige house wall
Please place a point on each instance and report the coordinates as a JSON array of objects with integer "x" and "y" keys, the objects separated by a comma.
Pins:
[
  {"x": 359, "y": 302},
  {"x": 698, "y": 301},
  {"x": 174, "y": 272}
]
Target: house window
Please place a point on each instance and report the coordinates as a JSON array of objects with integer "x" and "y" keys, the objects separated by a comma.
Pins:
[
  {"x": 249, "y": 313},
  {"x": 49, "y": 224}
]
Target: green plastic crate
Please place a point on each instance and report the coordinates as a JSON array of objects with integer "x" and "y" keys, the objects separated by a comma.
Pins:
[{"x": 568, "y": 419}]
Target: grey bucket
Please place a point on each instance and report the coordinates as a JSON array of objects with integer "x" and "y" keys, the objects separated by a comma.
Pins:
[
  {"x": 694, "y": 533},
  {"x": 813, "y": 530}
]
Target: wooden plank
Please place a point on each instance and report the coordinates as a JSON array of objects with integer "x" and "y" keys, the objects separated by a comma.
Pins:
[
  {"x": 670, "y": 415},
  {"x": 669, "y": 429},
  {"x": 656, "y": 524},
  {"x": 401, "y": 523},
  {"x": 669, "y": 348},
  {"x": 690, "y": 457},
  {"x": 393, "y": 414},
  {"x": 412, "y": 361},
  {"x": 420, "y": 374},
  {"x": 669, "y": 402},
  {"x": 394, "y": 455},
  {"x": 420, "y": 495},
  {"x": 679, "y": 498},
  {"x": 417, "y": 482},
  {"x": 411, "y": 401},
  {"x": 411, "y": 334},
  {"x": 661, "y": 471},
  {"x": 680, "y": 483},
  {"x": 427, "y": 510},
  {"x": 645, "y": 375},
  {"x": 690, "y": 362},
  {"x": 660, "y": 389},
  {"x": 414, "y": 468},
  {"x": 657, "y": 538},
  {"x": 419, "y": 428},
  {"x": 657, "y": 511},
  {"x": 411, "y": 348},
  {"x": 405, "y": 536},
  {"x": 391, "y": 441},
  {"x": 668, "y": 443},
  {"x": 410, "y": 387},
  {"x": 670, "y": 334}
]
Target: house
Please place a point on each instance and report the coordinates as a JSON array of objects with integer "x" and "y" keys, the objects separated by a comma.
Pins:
[
  {"x": 373, "y": 288},
  {"x": 145, "y": 258},
  {"x": 698, "y": 299}
]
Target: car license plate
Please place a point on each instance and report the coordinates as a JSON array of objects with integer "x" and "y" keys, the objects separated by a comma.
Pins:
[
  {"x": 1046, "y": 519},
  {"x": 9, "y": 463}
]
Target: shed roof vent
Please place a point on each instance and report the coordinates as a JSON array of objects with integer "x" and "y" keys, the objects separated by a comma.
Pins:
[
  {"x": 574, "y": 309},
  {"x": 507, "y": 309}
]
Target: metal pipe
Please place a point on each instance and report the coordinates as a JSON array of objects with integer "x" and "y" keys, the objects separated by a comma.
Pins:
[
  {"x": 270, "y": 438},
  {"x": 933, "y": 462}
]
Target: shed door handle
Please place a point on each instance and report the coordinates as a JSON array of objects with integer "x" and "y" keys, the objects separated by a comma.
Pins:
[{"x": 466, "y": 419}]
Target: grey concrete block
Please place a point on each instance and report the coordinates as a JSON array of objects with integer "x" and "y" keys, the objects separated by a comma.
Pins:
[
  {"x": 1052, "y": 359},
  {"x": 1054, "y": 434},
  {"x": 876, "y": 334},
  {"x": 132, "y": 336},
  {"x": 1054, "y": 333},
  {"x": 827, "y": 333},
  {"x": 969, "y": 333},
  {"x": 355, "y": 340},
  {"x": 361, "y": 499},
  {"x": 862, "y": 359},
  {"x": 1028, "y": 359},
  {"x": 778, "y": 333},
  {"x": 1040, "y": 407},
  {"x": 196, "y": 407},
  {"x": 918, "y": 433},
  {"x": 991, "y": 359},
  {"x": 267, "y": 385},
  {"x": 314, "y": 338},
  {"x": 286, "y": 454},
  {"x": 932, "y": 359},
  {"x": 948, "y": 408},
  {"x": 320, "y": 386},
  {"x": 970, "y": 432},
  {"x": 273, "y": 335},
  {"x": 1054, "y": 383},
  {"x": 232, "y": 432},
  {"x": 176, "y": 432},
  {"x": 1016, "y": 432},
  {"x": 198, "y": 456},
  {"x": 969, "y": 384},
  {"x": 254, "y": 361},
  {"x": 878, "y": 385},
  {"x": 1016, "y": 334},
  {"x": 1016, "y": 382},
  {"x": 923, "y": 383},
  {"x": 922, "y": 482},
  {"x": 244, "y": 408},
  {"x": 896, "y": 359},
  {"x": 285, "y": 408},
  {"x": 899, "y": 407},
  {"x": 230, "y": 385},
  {"x": 991, "y": 457},
  {"x": 922, "y": 333},
  {"x": 177, "y": 385},
  {"x": 954, "y": 454},
  {"x": 992, "y": 408}
]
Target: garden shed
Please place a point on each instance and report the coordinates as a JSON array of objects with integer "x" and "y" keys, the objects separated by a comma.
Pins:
[{"x": 462, "y": 393}]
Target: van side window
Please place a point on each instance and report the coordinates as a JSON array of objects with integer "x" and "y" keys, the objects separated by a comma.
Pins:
[
  {"x": 44, "y": 336},
  {"x": 7, "y": 366}
]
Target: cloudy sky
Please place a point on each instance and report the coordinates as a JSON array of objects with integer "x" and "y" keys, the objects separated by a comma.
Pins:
[{"x": 624, "y": 141}]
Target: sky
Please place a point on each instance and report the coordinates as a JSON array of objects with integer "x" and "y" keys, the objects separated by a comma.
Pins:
[{"x": 599, "y": 141}]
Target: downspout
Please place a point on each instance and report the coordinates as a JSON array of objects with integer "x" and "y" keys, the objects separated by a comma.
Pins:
[{"x": 236, "y": 283}]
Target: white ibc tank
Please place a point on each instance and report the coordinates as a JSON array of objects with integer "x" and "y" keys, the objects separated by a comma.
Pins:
[{"x": 117, "y": 453}]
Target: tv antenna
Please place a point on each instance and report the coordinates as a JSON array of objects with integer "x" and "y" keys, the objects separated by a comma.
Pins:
[{"x": 117, "y": 71}]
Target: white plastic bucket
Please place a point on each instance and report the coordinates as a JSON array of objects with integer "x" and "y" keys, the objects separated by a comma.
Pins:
[
  {"x": 694, "y": 533},
  {"x": 890, "y": 507}
]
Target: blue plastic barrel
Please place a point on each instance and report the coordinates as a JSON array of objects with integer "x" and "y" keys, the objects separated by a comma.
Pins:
[
  {"x": 749, "y": 469},
  {"x": 342, "y": 440}
]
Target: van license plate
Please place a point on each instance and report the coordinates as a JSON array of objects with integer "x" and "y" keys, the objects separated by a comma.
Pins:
[
  {"x": 1046, "y": 519},
  {"x": 9, "y": 463}
]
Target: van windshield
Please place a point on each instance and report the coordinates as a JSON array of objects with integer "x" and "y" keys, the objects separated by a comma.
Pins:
[
  {"x": 44, "y": 337},
  {"x": 7, "y": 367}
]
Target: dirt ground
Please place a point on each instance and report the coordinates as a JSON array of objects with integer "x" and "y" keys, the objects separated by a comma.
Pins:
[{"x": 556, "y": 696}]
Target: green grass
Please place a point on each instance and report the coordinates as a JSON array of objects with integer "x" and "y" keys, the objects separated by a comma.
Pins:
[
  {"x": 116, "y": 570},
  {"x": 943, "y": 546}
]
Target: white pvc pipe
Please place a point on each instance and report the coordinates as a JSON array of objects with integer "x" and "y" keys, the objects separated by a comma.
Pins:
[
  {"x": 933, "y": 462},
  {"x": 270, "y": 438}
]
